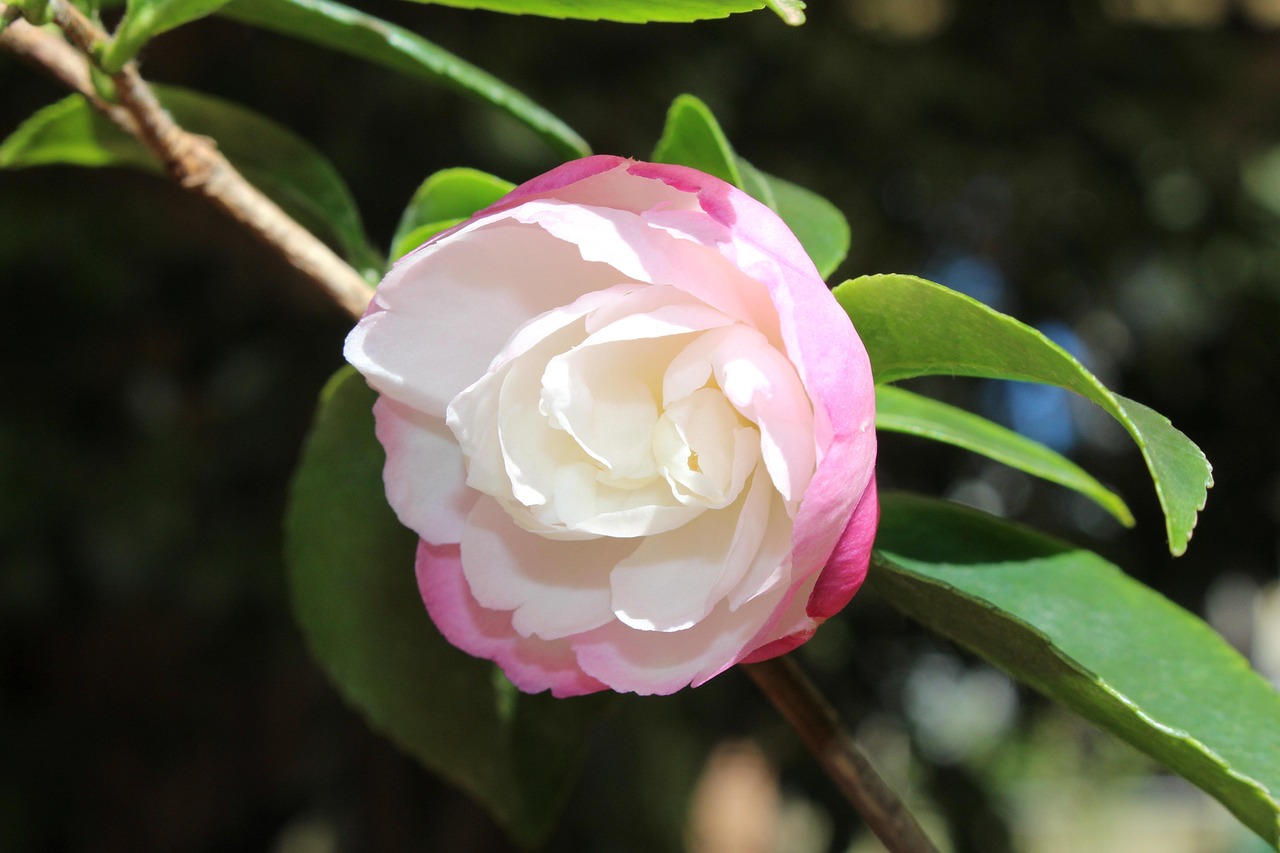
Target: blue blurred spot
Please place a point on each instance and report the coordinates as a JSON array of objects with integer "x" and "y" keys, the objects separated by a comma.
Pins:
[
  {"x": 972, "y": 276},
  {"x": 1043, "y": 412}
]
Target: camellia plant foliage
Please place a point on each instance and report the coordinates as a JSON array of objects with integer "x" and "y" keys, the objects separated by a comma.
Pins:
[{"x": 626, "y": 433}]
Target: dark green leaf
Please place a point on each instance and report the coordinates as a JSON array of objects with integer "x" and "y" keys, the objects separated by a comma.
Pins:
[
  {"x": 902, "y": 411},
  {"x": 692, "y": 137},
  {"x": 1077, "y": 629},
  {"x": 445, "y": 199},
  {"x": 145, "y": 19},
  {"x": 289, "y": 170},
  {"x": 70, "y": 132},
  {"x": 293, "y": 173},
  {"x": 356, "y": 600},
  {"x": 626, "y": 11},
  {"x": 914, "y": 327},
  {"x": 344, "y": 29}
]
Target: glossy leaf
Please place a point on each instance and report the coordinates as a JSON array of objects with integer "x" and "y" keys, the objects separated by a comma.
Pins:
[
  {"x": 693, "y": 137},
  {"x": 146, "y": 19},
  {"x": 898, "y": 410},
  {"x": 445, "y": 199},
  {"x": 1080, "y": 631},
  {"x": 289, "y": 170},
  {"x": 350, "y": 31},
  {"x": 914, "y": 327},
  {"x": 356, "y": 600},
  {"x": 626, "y": 11}
]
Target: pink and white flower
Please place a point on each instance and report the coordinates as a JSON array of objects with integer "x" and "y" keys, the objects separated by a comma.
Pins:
[{"x": 631, "y": 426}]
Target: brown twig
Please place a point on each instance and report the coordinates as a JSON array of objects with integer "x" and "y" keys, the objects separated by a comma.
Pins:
[
  {"x": 808, "y": 712},
  {"x": 194, "y": 161}
]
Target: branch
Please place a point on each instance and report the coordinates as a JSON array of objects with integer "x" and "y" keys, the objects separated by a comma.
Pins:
[
  {"x": 799, "y": 701},
  {"x": 194, "y": 161}
]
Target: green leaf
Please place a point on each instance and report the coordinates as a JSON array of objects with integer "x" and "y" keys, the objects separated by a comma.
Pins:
[
  {"x": 289, "y": 170},
  {"x": 145, "y": 19},
  {"x": 350, "y": 31},
  {"x": 791, "y": 11},
  {"x": 692, "y": 137},
  {"x": 1080, "y": 631},
  {"x": 625, "y": 11},
  {"x": 914, "y": 327},
  {"x": 445, "y": 199},
  {"x": 10, "y": 15},
  {"x": 898, "y": 410},
  {"x": 70, "y": 132},
  {"x": 356, "y": 600}
]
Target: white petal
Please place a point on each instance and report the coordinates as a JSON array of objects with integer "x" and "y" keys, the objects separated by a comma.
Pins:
[
  {"x": 763, "y": 386},
  {"x": 652, "y": 312},
  {"x": 554, "y": 588},
  {"x": 443, "y": 313},
  {"x": 532, "y": 450},
  {"x": 604, "y": 392},
  {"x": 771, "y": 565},
  {"x": 426, "y": 484},
  {"x": 673, "y": 581},
  {"x": 473, "y": 414},
  {"x": 588, "y": 305},
  {"x": 585, "y": 505},
  {"x": 655, "y": 662},
  {"x": 473, "y": 418},
  {"x": 643, "y": 252},
  {"x": 705, "y": 449},
  {"x": 606, "y": 398}
]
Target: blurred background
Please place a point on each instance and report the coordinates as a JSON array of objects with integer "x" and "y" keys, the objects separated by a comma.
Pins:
[{"x": 1106, "y": 171}]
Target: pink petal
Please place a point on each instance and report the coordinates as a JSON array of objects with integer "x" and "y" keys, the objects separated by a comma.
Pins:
[
  {"x": 846, "y": 569},
  {"x": 601, "y": 179},
  {"x": 792, "y": 627},
  {"x": 424, "y": 476},
  {"x": 826, "y": 594},
  {"x": 532, "y": 664},
  {"x": 749, "y": 220}
]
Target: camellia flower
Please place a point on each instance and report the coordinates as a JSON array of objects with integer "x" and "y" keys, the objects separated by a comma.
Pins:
[{"x": 631, "y": 426}]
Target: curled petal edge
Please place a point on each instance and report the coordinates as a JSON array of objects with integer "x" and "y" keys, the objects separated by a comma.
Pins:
[
  {"x": 843, "y": 575},
  {"x": 532, "y": 664}
]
